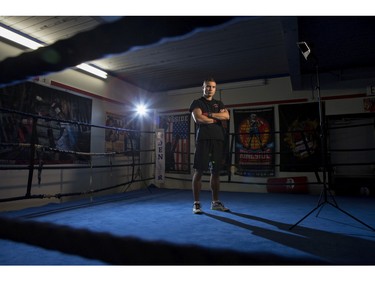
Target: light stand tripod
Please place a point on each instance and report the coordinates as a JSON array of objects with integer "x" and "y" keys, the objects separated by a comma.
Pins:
[{"x": 325, "y": 193}]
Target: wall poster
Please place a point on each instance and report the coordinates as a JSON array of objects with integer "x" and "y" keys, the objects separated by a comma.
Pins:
[
  {"x": 369, "y": 104},
  {"x": 300, "y": 147},
  {"x": 254, "y": 142},
  {"x": 177, "y": 142},
  {"x": 54, "y": 134},
  {"x": 126, "y": 141}
]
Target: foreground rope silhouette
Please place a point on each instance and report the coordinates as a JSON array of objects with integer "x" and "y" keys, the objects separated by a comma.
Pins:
[{"x": 117, "y": 250}]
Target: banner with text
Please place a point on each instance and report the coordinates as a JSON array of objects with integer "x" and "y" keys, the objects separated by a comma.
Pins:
[
  {"x": 160, "y": 155},
  {"x": 254, "y": 142}
]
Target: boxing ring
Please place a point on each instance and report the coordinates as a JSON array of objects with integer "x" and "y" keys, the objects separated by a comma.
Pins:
[
  {"x": 37, "y": 151},
  {"x": 132, "y": 162},
  {"x": 49, "y": 235}
]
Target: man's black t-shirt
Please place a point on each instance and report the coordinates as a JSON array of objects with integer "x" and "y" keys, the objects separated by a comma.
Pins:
[{"x": 208, "y": 131}]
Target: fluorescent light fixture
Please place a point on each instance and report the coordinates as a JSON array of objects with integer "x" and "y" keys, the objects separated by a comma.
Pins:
[
  {"x": 93, "y": 70},
  {"x": 19, "y": 39},
  {"x": 31, "y": 44}
]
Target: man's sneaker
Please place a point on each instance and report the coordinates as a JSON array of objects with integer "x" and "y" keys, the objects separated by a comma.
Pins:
[
  {"x": 197, "y": 208},
  {"x": 218, "y": 206}
]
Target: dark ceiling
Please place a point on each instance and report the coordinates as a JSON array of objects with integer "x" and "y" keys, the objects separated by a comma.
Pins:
[
  {"x": 343, "y": 46},
  {"x": 168, "y": 53}
]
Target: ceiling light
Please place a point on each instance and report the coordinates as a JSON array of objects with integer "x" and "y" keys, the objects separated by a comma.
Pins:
[
  {"x": 92, "y": 70},
  {"x": 31, "y": 44},
  {"x": 19, "y": 39}
]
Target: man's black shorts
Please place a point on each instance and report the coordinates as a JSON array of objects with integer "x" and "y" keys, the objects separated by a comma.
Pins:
[{"x": 209, "y": 155}]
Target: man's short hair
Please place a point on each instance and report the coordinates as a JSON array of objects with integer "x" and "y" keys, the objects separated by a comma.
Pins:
[{"x": 210, "y": 79}]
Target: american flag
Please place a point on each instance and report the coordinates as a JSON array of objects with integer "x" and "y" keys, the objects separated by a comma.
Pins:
[{"x": 177, "y": 132}]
